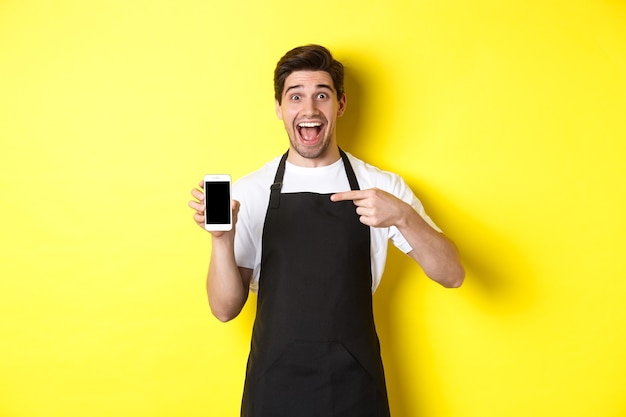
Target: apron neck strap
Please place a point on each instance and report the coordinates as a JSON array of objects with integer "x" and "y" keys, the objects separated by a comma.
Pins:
[
  {"x": 276, "y": 187},
  {"x": 354, "y": 184}
]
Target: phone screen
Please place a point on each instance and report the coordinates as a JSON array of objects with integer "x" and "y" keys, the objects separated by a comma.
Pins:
[{"x": 217, "y": 201}]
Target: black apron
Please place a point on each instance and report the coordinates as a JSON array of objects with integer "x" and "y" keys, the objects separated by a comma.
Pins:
[{"x": 314, "y": 350}]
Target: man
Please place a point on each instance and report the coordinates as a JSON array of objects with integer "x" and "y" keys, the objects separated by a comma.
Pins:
[{"x": 311, "y": 237}]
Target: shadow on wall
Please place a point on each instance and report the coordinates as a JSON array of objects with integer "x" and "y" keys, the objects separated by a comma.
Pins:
[
  {"x": 493, "y": 290},
  {"x": 348, "y": 126},
  {"x": 499, "y": 277}
]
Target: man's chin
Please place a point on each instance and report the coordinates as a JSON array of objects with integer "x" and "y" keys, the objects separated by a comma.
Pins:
[{"x": 311, "y": 151}]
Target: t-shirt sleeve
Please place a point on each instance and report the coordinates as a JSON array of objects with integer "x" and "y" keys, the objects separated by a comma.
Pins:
[
  {"x": 245, "y": 240},
  {"x": 401, "y": 190}
]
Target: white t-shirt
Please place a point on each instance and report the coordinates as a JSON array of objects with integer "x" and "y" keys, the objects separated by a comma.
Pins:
[{"x": 253, "y": 192}]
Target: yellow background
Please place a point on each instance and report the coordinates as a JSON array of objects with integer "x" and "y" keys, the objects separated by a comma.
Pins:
[{"x": 505, "y": 117}]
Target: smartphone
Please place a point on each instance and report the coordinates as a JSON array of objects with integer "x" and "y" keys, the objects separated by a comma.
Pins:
[{"x": 217, "y": 202}]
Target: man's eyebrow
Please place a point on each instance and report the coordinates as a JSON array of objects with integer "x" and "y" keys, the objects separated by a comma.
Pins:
[
  {"x": 318, "y": 86},
  {"x": 293, "y": 87}
]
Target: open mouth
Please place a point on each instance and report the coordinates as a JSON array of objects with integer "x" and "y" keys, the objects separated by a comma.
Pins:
[{"x": 309, "y": 131}]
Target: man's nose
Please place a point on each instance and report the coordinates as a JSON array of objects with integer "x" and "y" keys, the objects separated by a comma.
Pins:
[{"x": 310, "y": 107}]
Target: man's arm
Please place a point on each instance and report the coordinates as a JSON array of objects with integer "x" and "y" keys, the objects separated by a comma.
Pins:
[
  {"x": 227, "y": 284},
  {"x": 435, "y": 253}
]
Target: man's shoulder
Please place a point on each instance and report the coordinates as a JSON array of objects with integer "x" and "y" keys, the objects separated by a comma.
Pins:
[
  {"x": 260, "y": 177},
  {"x": 373, "y": 176}
]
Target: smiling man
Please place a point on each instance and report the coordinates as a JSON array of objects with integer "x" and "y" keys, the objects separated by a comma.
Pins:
[
  {"x": 309, "y": 107},
  {"x": 311, "y": 235}
]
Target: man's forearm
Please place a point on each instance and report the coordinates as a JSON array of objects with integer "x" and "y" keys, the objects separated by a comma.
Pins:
[
  {"x": 227, "y": 285},
  {"x": 436, "y": 254}
]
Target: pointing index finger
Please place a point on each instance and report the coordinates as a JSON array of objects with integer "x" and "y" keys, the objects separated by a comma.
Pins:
[{"x": 347, "y": 195}]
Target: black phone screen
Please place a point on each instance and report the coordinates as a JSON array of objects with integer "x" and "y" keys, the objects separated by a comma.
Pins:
[{"x": 217, "y": 202}]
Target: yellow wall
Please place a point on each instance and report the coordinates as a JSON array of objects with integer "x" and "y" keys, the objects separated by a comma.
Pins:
[{"x": 506, "y": 117}]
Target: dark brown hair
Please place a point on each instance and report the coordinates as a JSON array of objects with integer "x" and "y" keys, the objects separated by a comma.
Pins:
[{"x": 307, "y": 58}]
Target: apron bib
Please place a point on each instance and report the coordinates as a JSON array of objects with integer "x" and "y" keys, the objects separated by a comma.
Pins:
[{"x": 314, "y": 350}]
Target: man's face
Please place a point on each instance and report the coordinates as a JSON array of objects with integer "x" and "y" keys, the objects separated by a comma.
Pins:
[{"x": 309, "y": 110}]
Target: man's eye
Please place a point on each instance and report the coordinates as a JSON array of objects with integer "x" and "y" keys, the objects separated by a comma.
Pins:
[
  {"x": 322, "y": 96},
  {"x": 295, "y": 97}
]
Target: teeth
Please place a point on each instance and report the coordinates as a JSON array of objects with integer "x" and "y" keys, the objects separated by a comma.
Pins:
[{"x": 310, "y": 124}]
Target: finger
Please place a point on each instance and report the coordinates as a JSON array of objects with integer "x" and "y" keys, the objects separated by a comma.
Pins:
[
  {"x": 366, "y": 221},
  {"x": 347, "y": 195},
  {"x": 199, "y": 207},
  {"x": 363, "y": 211},
  {"x": 235, "y": 207},
  {"x": 198, "y": 194},
  {"x": 198, "y": 218}
]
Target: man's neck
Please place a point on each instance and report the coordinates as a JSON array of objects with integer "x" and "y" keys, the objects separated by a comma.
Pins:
[{"x": 329, "y": 157}]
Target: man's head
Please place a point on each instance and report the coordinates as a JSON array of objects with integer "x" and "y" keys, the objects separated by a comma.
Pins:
[
  {"x": 307, "y": 58},
  {"x": 309, "y": 99}
]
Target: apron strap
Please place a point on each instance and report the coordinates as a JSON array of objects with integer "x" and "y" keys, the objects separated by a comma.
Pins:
[
  {"x": 277, "y": 186},
  {"x": 278, "y": 182},
  {"x": 354, "y": 184}
]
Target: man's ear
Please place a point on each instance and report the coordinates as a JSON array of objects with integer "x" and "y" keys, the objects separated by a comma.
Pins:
[
  {"x": 342, "y": 105},
  {"x": 279, "y": 113}
]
